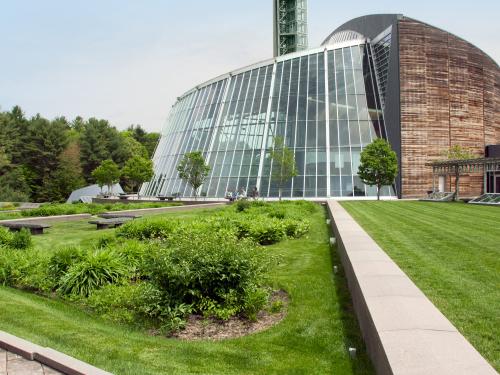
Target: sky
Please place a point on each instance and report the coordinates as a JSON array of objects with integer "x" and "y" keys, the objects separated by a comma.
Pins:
[{"x": 127, "y": 61}]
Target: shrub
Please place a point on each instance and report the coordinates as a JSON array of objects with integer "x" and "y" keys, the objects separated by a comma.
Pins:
[
  {"x": 54, "y": 209},
  {"x": 31, "y": 271},
  {"x": 266, "y": 231},
  {"x": 5, "y": 236},
  {"x": 24, "y": 269},
  {"x": 119, "y": 303},
  {"x": 61, "y": 260},
  {"x": 212, "y": 274},
  {"x": 7, "y": 266},
  {"x": 296, "y": 228},
  {"x": 134, "y": 254},
  {"x": 255, "y": 300},
  {"x": 242, "y": 205},
  {"x": 95, "y": 270},
  {"x": 150, "y": 228},
  {"x": 277, "y": 212},
  {"x": 21, "y": 240}
]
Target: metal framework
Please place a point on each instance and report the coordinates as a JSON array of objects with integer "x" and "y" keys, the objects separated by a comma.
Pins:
[
  {"x": 457, "y": 167},
  {"x": 290, "y": 26}
]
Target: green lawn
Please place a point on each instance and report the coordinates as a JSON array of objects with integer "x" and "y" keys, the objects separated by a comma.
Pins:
[
  {"x": 313, "y": 338},
  {"x": 452, "y": 252}
]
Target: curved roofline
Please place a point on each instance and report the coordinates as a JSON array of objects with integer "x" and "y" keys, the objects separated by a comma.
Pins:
[
  {"x": 273, "y": 61},
  {"x": 373, "y": 24}
]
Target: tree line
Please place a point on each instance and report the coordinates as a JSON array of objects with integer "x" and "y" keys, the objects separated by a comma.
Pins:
[{"x": 44, "y": 160}]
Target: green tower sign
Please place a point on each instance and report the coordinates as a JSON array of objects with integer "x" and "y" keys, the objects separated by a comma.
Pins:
[{"x": 290, "y": 26}]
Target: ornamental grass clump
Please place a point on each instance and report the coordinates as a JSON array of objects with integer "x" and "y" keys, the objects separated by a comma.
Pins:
[
  {"x": 21, "y": 240},
  {"x": 97, "y": 269},
  {"x": 61, "y": 260}
]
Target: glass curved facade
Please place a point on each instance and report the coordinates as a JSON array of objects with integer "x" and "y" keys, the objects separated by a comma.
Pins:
[{"x": 323, "y": 102}]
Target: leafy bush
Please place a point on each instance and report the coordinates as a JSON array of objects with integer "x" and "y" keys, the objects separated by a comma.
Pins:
[
  {"x": 21, "y": 240},
  {"x": 5, "y": 236},
  {"x": 296, "y": 228},
  {"x": 150, "y": 228},
  {"x": 54, "y": 209},
  {"x": 277, "y": 212},
  {"x": 266, "y": 231},
  {"x": 61, "y": 260},
  {"x": 7, "y": 266},
  {"x": 95, "y": 270},
  {"x": 134, "y": 254},
  {"x": 255, "y": 300},
  {"x": 213, "y": 274},
  {"x": 242, "y": 205},
  {"x": 24, "y": 269},
  {"x": 119, "y": 303}
]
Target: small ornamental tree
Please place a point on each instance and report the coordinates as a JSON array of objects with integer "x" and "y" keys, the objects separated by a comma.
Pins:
[
  {"x": 457, "y": 153},
  {"x": 138, "y": 170},
  {"x": 107, "y": 174},
  {"x": 379, "y": 165},
  {"x": 193, "y": 170},
  {"x": 284, "y": 165}
]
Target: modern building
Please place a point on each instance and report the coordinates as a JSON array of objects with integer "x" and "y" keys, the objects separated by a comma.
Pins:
[{"x": 421, "y": 88}]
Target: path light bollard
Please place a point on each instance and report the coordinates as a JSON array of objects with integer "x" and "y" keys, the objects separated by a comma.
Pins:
[
  {"x": 328, "y": 221},
  {"x": 335, "y": 269},
  {"x": 352, "y": 353},
  {"x": 333, "y": 241}
]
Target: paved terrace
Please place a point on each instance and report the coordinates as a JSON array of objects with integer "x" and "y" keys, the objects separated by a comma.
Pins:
[{"x": 404, "y": 332}]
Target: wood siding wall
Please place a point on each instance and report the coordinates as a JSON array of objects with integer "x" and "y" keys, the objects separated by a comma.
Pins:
[{"x": 450, "y": 94}]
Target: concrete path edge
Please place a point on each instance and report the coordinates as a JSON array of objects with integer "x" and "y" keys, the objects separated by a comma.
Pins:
[
  {"x": 50, "y": 357},
  {"x": 404, "y": 333}
]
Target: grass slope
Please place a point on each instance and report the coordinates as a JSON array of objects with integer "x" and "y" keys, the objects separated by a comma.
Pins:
[
  {"x": 313, "y": 338},
  {"x": 452, "y": 252}
]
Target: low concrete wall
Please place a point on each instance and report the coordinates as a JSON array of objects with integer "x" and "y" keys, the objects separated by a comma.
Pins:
[{"x": 403, "y": 331}]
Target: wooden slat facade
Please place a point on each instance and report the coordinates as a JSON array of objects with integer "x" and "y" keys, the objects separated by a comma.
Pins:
[{"x": 450, "y": 95}]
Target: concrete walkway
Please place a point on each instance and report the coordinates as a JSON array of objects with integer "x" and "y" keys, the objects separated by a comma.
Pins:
[{"x": 405, "y": 334}]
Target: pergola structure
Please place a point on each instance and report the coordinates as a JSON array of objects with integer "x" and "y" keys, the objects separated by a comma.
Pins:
[{"x": 489, "y": 166}]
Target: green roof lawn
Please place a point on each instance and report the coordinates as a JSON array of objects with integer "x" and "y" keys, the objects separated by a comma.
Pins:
[
  {"x": 312, "y": 339},
  {"x": 452, "y": 253}
]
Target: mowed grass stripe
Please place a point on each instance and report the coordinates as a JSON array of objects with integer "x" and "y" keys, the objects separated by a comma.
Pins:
[{"x": 452, "y": 252}]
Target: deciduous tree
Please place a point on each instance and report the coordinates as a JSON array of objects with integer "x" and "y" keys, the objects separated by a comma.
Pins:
[
  {"x": 138, "y": 170},
  {"x": 284, "y": 166},
  {"x": 193, "y": 170},
  {"x": 379, "y": 165},
  {"x": 107, "y": 174}
]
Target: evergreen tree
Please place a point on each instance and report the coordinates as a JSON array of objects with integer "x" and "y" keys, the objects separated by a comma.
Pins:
[
  {"x": 47, "y": 140},
  {"x": 68, "y": 176}
]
